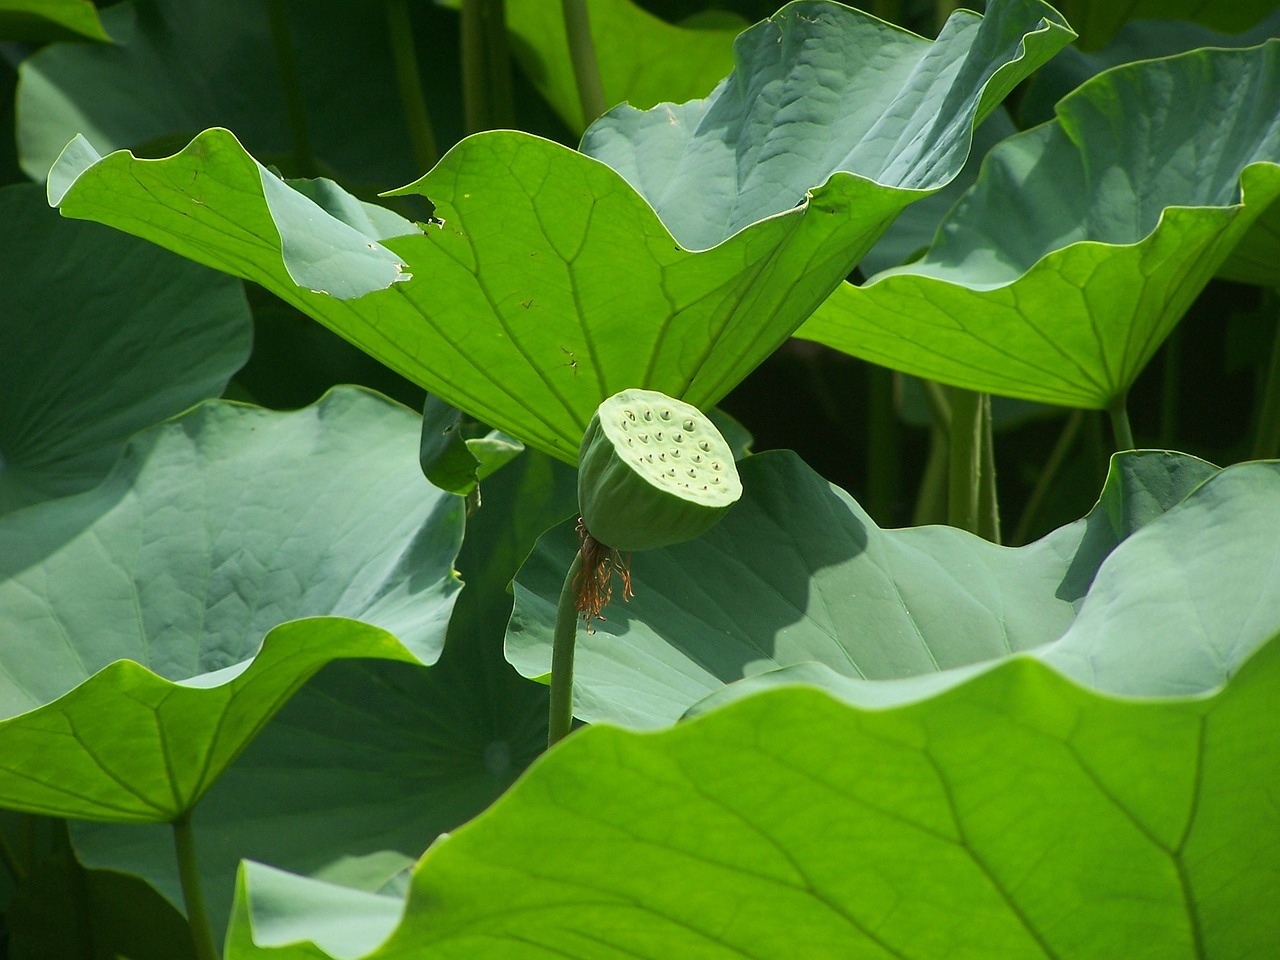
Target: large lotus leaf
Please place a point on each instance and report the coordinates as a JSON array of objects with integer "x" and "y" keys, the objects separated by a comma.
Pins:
[
  {"x": 551, "y": 284},
  {"x": 798, "y": 572},
  {"x": 371, "y": 760},
  {"x": 102, "y": 335},
  {"x": 643, "y": 60},
  {"x": 1016, "y": 815},
  {"x": 36, "y": 20},
  {"x": 153, "y": 624},
  {"x": 183, "y": 65},
  {"x": 821, "y": 88},
  {"x": 1155, "y": 619},
  {"x": 1098, "y": 21},
  {"x": 1255, "y": 257},
  {"x": 1085, "y": 240}
]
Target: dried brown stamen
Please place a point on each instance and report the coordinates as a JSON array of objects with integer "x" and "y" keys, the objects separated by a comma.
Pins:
[{"x": 594, "y": 582}]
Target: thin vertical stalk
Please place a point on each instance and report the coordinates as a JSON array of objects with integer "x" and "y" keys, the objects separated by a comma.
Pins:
[
  {"x": 291, "y": 88},
  {"x": 1119, "y": 413},
  {"x": 184, "y": 844},
  {"x": 486, "y": 66},
  {"x": 404, "y": 54},
  {"x": 1057, "y": 457},
  {"x": 883, "y": 474},
  {"x": 564, "y": 639},
  {"x": 988, "y": 499},
  {"x": 965, "y": 466},
  {"x": 501, "y": 99},
  {"x": 582, "y": 53},
  {"x": 475, "y": 76},
  {"x": 931, "y": 498},
  {"x": 1266, "y": 442}
]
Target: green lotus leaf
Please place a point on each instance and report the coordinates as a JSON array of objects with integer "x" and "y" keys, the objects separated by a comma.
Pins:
[
  {"x": 1254, "y": 258},
  {"x": 1098, "y": 21},
  {"x": 1085, "y": 240},
  {"x": 820, "y": 89},
  {"x": 153, "y": 624},
  {"x": 84, "y": 304},
  {"x": 552, "y": 284},
  {"x": 798, "y": 572},
  {"x": 38, "y": 20},
  {"x": 643, "y": 60},
  {"x": 371, "y": 760},
  {"x": 180, "y": 66},
  {"x": 1016, "y": 815},
  {"x": 312, "y": 235}
]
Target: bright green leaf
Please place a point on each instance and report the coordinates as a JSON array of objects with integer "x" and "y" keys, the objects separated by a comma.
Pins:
[
  {"x": 153, "y": 624},
  {"x": 798, "y": 572},
  {"x": 551, "y": 284},
  {"x": 1016, "y": 815},
  {"x": 318, "y": 238},
  {"x": 1085, "y": 240},
  {"x": 103, "y": 335}
]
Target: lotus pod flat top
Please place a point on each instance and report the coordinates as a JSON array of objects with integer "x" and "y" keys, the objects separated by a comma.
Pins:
[{"x": 672, "y": 445}]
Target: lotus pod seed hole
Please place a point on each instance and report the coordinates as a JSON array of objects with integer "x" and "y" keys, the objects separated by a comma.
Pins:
[
  {"x": 648, "y": 414},
  {"x": 665, "y": 414},
  {"x": 689, "y": 426}
]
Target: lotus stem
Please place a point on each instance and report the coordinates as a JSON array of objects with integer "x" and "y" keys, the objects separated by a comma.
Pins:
[
  {"x": 1119, "y": 413},
  {"x": 184, "y": 843},
  {"x": 404, "y": 54},
  {"x": 988, "y": 500},
  {"x": 931, "y": 498},
  {"x": 486, "y": 66},
  {"x": 582, "y": 52},
  {"x": 1057, "y": 456},
  {"x": 291, "y": 88},
  {"x": 560, "y": 720},
  {"x": 965, "y": 486}
]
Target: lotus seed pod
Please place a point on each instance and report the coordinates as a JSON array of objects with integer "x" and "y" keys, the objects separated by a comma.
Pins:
[{"x": 653, "y": 471}]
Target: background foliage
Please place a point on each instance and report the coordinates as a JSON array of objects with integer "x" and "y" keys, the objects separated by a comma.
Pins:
[{"x": 315, "y": 693}]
